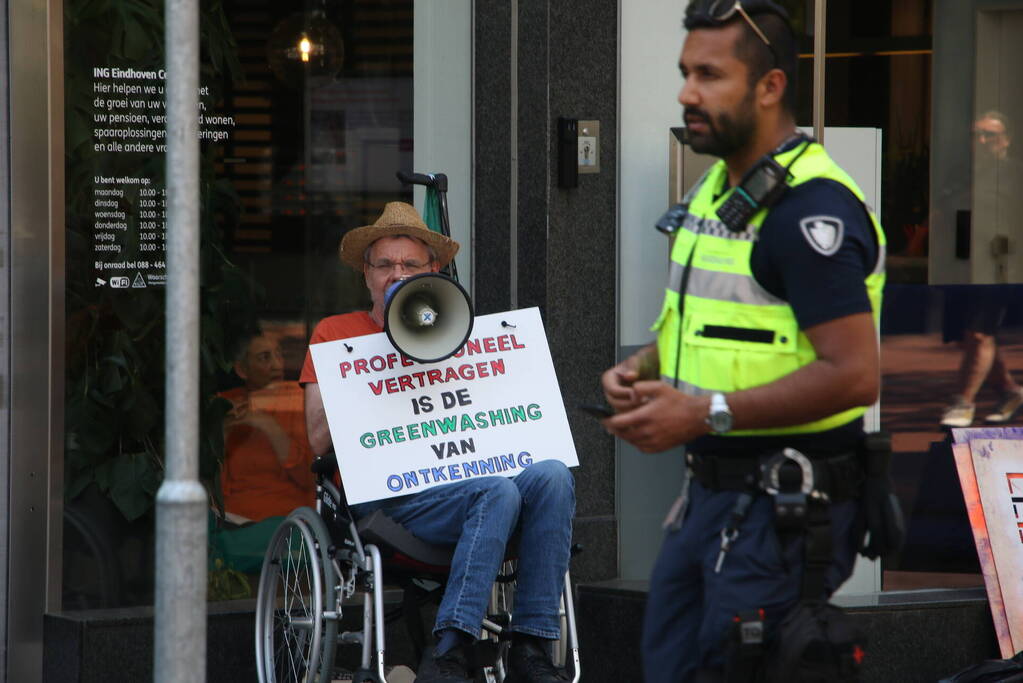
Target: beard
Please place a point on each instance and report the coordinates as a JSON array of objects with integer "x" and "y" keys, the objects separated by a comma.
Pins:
[{"x": 727, "y": 133}]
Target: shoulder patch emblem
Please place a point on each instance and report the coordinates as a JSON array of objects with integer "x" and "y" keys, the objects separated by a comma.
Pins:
[{"x": 823, "y": 233}]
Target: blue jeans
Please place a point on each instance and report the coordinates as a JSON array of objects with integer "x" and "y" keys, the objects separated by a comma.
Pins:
[
  {"x": 690, "y": 607},
  {"x": 477, "y": 517}
]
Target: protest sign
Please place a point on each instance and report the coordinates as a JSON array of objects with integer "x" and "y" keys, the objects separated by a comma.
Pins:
[
  {"x": 990, "y": 465},
  {"x": 401, "y": 427},
  {"x": 978, "y": 523}
]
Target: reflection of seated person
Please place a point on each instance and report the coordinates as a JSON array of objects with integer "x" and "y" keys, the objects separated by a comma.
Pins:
[
  {"x": 997, "y": 184},
  {"x": 476, "y": 516},
  {"x": 266, "y": 452}
]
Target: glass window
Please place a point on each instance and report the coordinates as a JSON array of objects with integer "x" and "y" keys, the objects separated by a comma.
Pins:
[
  {"x": 935, "y": 77},
  {"x": 306, "y": 115}
]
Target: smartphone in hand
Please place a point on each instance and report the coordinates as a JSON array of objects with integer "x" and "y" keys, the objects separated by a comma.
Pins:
[{"x": 597, "y": 410}]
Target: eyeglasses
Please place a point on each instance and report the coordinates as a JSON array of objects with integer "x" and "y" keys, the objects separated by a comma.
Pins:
[
  {"x": 720, "y": 11},
  {"x": 406, "y": 266},
  {"x": 987, "y": 134}
]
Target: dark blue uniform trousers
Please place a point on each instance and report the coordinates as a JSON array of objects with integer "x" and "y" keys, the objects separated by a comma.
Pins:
[{"x": 690, "y": 608}]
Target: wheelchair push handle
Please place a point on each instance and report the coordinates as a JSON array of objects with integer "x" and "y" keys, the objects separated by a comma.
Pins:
[
  {"x": 324, "y": 465},
  {"x": 439, "y": 181}
]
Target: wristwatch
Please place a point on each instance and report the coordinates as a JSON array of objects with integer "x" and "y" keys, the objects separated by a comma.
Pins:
[{"x": 720, "y": 417}]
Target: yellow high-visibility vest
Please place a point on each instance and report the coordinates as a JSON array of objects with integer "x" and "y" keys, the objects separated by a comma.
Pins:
[{"x": 735, "y": 334}]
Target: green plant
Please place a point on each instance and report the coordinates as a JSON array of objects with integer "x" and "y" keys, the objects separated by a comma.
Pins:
[{"x": 114, "y": 417}]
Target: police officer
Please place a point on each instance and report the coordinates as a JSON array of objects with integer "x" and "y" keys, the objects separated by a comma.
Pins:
[{"x": 767, "y": 340}]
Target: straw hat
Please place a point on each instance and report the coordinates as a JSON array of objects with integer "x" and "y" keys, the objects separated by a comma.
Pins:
[{"x": 398, "y": 218}]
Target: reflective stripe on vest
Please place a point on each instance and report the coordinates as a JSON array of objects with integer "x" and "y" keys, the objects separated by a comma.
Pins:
[{"x": 735, "y": 334}]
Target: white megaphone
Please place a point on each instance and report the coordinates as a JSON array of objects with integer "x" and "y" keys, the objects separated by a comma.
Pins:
[{"x": 427, "y": 317}]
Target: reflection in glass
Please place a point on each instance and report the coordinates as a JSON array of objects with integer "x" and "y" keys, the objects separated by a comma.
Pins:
[
  {"x": 115, "y": 235},
  {"x": 266, "y": 451},
  {"x": 977, "y": 208},
  {"x": 982, "y": 310},
  {"x": 289, "y": 164},
  {"x": 997, "y": 197},
  {"x": 926, "y": 72},
  {"x": 950, "y": 357}
]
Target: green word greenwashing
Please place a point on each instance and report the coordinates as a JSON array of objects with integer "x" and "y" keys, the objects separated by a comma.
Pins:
[{"x": 452, "y": 424}]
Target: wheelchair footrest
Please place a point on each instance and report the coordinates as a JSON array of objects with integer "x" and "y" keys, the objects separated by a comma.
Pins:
[{"x": 484, "y": 653}]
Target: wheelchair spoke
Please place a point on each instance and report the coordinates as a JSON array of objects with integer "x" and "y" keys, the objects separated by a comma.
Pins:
[
  {"x": 287, "y": 651},
  {"x": 297, "y": 580}
]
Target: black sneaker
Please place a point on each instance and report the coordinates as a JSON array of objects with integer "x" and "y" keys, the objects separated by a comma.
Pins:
[
  {"x": 529, "y": 661},
  {"x": 450, "y": 667}
]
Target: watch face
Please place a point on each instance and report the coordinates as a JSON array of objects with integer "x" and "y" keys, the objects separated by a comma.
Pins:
[{"x": 720, "y": 422}]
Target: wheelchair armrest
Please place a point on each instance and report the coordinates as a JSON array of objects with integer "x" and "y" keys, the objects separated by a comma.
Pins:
[{"x": 381, "y": 530}]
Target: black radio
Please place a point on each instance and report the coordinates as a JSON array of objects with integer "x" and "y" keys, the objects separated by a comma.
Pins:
[{"x": 761, "y": 187}]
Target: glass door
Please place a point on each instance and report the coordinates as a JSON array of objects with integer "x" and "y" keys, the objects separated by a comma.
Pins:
[{"x": 306, "y": 113}]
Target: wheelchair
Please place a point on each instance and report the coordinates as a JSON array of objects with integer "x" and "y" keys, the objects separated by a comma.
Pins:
[{"x": 319, "y": 561}]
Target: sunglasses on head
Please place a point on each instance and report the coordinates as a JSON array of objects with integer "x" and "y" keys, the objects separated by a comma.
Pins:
[{"x": 721, "y": 11}]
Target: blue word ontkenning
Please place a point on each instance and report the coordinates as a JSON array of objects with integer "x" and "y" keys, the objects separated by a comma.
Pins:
[{"x": 458, "y": 471}]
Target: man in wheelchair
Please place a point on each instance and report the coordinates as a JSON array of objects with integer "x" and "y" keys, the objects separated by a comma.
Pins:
[{"x": 476, "y": 517}]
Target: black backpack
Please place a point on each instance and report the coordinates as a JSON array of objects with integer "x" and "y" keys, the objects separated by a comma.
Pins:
[
  {"x": 816, "y": 641},
  {"x": 991, "y": 671}
]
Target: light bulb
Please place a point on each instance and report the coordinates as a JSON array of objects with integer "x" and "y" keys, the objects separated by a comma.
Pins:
[{"x": 305, "y": 49}]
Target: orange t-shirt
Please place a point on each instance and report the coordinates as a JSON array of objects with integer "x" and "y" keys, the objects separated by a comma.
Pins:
[
  {"x": 255, "y": 483},
  {"x": 333, "y": 328}
]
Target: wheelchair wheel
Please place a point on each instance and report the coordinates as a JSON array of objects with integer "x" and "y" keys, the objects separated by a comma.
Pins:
[{"x": 294, "y": 642}]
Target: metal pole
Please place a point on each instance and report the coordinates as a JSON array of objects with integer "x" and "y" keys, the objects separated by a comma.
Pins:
[
  {"x": 820, "y": 24},
  {"x": 180, "y": 609}
]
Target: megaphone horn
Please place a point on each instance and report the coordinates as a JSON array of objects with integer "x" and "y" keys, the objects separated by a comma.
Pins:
[{"x": 427, "y": 317}]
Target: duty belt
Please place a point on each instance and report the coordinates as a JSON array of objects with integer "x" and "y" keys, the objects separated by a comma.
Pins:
[{"x": 839, "y": 475}]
